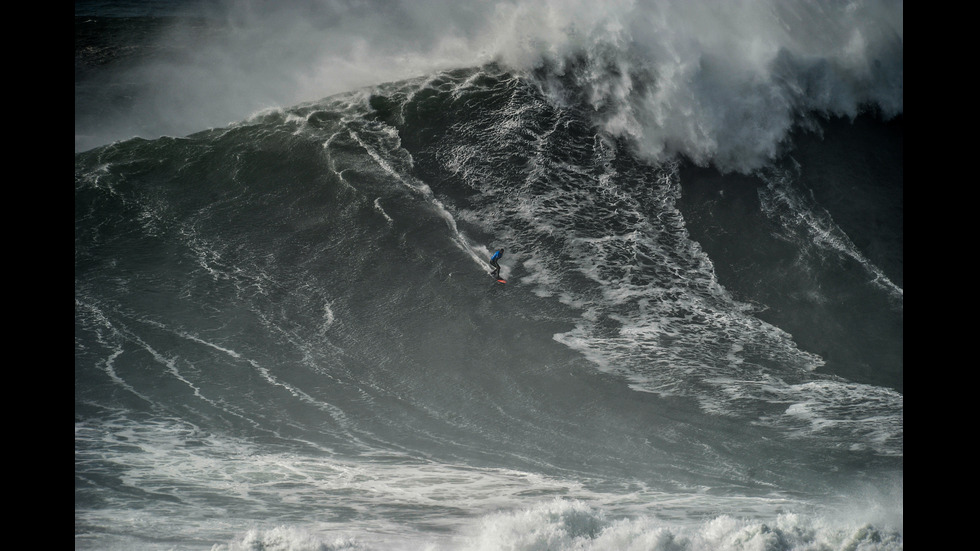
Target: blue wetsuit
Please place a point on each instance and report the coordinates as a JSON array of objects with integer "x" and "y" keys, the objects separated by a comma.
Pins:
[{"x": 493, "y": 262}]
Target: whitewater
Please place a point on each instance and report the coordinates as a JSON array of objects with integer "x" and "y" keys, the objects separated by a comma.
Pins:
[{"x": 287, "y": 337}]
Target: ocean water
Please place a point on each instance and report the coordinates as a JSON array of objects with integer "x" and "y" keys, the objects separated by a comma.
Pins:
[{"x": 287, "y": 337}]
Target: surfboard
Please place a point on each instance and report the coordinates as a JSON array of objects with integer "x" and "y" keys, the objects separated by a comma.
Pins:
[{"x": 501, "y": 280}]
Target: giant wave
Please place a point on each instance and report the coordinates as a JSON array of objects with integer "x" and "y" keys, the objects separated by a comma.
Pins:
[{"x": 286, "y": 337}]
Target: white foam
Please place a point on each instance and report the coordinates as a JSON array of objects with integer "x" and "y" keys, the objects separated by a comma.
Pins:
[
  {"x": 574, "y": 525},
  {"x": 868, "y": 417},
  {"x": 379, "y": 208},
  {"x": 675, "y": 77}
]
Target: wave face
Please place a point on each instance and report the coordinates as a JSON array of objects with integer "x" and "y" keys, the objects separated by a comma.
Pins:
[{"x": 286, "y": 336}]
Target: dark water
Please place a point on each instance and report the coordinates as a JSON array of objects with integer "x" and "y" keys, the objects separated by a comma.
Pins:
[
  {"x": 855, "y": 190},
  {"x": 286, "y": 335}
]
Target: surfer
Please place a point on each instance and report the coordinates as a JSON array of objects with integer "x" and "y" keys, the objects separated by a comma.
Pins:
[{"x": 493, "y": 262}]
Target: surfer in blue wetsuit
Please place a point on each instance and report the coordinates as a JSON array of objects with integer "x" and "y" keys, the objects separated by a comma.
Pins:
[{"x": 493, "y": 262}]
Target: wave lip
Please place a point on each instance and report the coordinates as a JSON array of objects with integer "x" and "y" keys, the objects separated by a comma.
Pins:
[{"x": 721, "y": 85}]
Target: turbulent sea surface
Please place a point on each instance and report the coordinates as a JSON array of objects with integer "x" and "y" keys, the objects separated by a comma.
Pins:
[{"x": 287, "y": 337}]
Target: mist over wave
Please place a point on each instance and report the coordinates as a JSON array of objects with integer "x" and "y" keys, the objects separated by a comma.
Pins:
[{"x": 720, "y": 83}]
